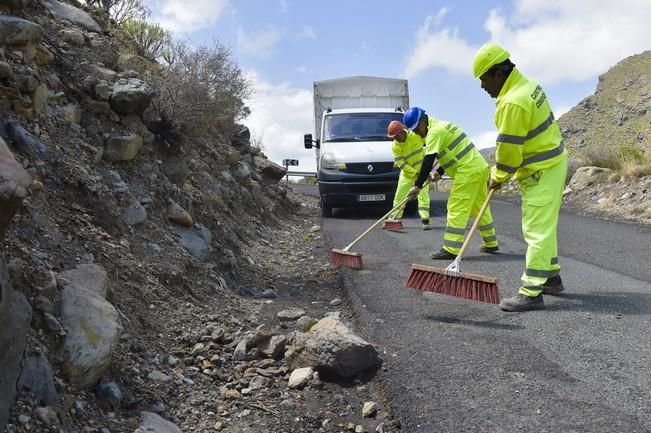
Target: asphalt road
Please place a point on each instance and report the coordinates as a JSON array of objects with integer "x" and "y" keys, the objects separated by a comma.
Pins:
[{"x": 581, "y": 365}]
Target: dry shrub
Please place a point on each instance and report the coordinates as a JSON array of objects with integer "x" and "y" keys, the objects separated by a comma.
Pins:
[
  {"x": 601, "y": 156},
  {"x": 635, "y": 169},
  {"x": 201, "y": 90}
]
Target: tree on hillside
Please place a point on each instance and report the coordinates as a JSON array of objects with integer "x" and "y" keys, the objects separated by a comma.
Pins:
[
  {"x": 201, "y": 90},
  {"x": 146, "y": 40},
  {"x": 121, "y": 10}
]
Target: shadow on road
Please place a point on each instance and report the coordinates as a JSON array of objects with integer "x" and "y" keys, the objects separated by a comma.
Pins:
[
  {"x": 437, "y": 209},
  {"x": 619, "y": 303},
  {"x": 473, "y": 323},
  {"x": 495, "y": 258}
]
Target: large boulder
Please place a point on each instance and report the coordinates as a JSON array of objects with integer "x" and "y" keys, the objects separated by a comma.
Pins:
[
  {"x": 37, "y": 377},
  {"x": 122, "y": 147},
  {"x": 14, "y": 186},
  {"x": 131, "y": 95},
  {"x": 17, "y": 31},
  {"x": 93, "y": 330},
  {"x": 67, "y": 12},
  {"x": 332, "y": 347},
  {"x": 15, "y": 317},
  {"x": 269, "y": 169},
  {"x": 90, "y": 276},
  {"x": 586, "y": 176}
]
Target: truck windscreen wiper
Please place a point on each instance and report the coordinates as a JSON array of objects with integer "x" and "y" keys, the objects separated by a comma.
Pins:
[
  {"x": 374, "y": 138},
  {"x": 342, "y": 139}
]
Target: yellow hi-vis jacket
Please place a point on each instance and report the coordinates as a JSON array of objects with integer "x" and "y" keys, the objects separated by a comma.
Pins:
[
  {"x": 528, "y": 135},
  {"x": 408, "y": 156},
  {"x": 455, "y": 152}
]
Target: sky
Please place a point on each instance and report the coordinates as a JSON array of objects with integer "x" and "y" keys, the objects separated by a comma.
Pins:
[{"x": 286, "y": 45}]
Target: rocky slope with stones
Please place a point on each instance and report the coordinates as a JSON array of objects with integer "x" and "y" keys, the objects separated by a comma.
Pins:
[{"x": 153, "y": 286}]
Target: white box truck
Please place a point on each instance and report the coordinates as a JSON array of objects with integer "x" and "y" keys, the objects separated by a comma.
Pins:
[{"x": 354, "y": 161}]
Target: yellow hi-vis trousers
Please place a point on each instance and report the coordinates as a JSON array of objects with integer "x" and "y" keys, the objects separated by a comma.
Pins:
[
  {"x": 404, "y": 184},
  {"x": 542, "y": 195},
  {"x": 465, "y": 200}
]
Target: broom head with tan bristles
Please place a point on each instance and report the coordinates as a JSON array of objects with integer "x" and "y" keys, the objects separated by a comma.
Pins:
[
  {"x": 462, "y": 284},
  {"x": 348, "y": 259}
]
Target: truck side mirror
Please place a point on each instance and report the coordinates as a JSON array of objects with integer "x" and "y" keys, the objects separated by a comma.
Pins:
[{"x": 309, "y": 143}]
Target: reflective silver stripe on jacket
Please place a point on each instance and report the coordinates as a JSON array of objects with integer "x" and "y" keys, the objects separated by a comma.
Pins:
[
  {"x": 545, "y": 155},
  {"x": 486, "y": 227},
  {"x": 452, "y": 145},
  {"x": 536, "y": 158},
  {"x": 460, "y": 155},
  {"x": 518, "y": 139}
]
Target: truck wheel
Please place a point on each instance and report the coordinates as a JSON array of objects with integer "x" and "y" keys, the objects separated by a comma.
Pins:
[{"x": 326, "y": 210}]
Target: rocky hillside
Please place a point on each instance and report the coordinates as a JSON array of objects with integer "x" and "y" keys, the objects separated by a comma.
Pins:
[
  {"x": 153, "y": 281},
  {"x": 617, "y": 114}
]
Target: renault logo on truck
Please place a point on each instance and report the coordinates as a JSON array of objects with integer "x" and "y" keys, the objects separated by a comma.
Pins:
[{"x": 370, "y": 168}]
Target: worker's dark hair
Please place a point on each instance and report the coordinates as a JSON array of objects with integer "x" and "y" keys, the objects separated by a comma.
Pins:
[{"x": 506, "y": 67}]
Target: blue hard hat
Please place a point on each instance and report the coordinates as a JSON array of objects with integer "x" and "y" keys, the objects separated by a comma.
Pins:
[{"x": 412, "y": 117}]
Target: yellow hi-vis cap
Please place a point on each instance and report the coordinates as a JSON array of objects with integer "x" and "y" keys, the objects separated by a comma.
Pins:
[{"x": 487, "y": 56}]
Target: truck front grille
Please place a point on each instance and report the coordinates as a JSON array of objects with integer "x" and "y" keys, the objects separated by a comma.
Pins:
[{"x": 369, "y": 167}]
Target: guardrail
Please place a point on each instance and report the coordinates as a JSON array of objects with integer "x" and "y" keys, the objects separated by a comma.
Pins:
[{"x": 302, "y": 173}]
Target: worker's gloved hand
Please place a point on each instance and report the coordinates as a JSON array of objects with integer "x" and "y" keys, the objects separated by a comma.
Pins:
[
  {"x": 413, "y": 193},
  {"x": 434, "y": 177},
  {"x": 494, "y": 185}
]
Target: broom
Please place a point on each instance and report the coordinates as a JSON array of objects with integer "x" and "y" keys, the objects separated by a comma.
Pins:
[
  {"x": 350, "y": 259},
  {"x": 451, "y": 281},
  {"x": 396, "y": 225}
]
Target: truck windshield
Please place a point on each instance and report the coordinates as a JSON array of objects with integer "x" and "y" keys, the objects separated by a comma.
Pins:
[{"x": 358, "y": 126}]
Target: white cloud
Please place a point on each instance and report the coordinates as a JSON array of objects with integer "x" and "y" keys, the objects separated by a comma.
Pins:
[
  {"x": 176, "y": 16},
  {"x": 484, "y": 139},
  {"x": 302, "y": 69},
  {"x": 280, "y": 115},
  {"x": 308, "y": 32},
  {"x": 551, "y": 40},
  {"x": 283, "y": 6},
  {"x": 260, "y": 44}
]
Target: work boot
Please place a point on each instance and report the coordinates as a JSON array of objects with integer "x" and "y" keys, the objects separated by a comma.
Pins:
[
  {"x": 489, "y": 250},
  {"x": 442, "y": 255},
  {"x": 426, "y": 224},
  {"x": 521, "y": 302},
  {"x": 553, "y": 286}
]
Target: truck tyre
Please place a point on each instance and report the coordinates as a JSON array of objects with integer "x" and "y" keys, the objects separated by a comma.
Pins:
[{"x": 326, "y": 210}]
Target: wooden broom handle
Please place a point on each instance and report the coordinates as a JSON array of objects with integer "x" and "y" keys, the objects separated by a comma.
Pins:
[
  {"x": 479, "y": 216},
  {"x": 385, "y": 216}
]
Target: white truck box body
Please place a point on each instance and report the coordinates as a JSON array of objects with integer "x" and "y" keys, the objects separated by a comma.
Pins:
[{"x": 358, "y": 92}]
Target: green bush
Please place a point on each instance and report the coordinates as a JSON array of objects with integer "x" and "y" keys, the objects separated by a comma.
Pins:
[
  {"x": 144, "y": 39},
  {"x": 631, "y": 153}
]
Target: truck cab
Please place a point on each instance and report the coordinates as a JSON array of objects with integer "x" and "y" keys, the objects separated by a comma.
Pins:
[{"x": 355, "y": 165}]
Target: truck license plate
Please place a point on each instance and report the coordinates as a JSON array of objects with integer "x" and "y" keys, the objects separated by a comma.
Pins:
[{"x": 371, "y": 197}]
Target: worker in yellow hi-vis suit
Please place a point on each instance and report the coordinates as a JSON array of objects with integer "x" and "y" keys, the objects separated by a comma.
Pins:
[
  {"x": 529, "y": 149},
  {"x": 408, "y": 154},
  {"x": 469, "y": 171}
]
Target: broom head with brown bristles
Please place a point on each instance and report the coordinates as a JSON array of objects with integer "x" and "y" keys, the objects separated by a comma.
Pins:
[
  {"x": 393, "y": 225},
  {"x": 348, "y": 259},
  {"x": 462, "y": 285}
]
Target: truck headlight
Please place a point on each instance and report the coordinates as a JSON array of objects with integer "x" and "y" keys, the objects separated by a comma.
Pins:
[{"x": 328, "y": 161}]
